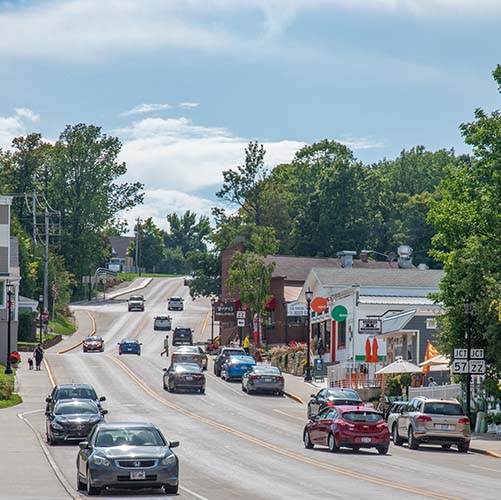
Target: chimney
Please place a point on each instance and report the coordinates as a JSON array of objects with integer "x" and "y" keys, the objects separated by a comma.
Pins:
[
  {"x": 346, "y": 257},
  {"x": 404, "y": 257},
  {"x": 364, "y": 256}
]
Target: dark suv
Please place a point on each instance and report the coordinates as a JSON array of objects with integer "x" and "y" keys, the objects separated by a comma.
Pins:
[
  {"x": 224, "y": 354},
  {"x": 182, "y": 336},
  {"x": 72, "y": 391}
]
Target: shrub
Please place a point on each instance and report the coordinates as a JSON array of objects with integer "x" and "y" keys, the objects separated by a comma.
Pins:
[{"x": 27, "y": 326}]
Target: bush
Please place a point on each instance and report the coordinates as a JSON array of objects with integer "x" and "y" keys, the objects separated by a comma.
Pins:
[
  {"x": 27, "y": 326},
  {"x": 6, "y": 386}
]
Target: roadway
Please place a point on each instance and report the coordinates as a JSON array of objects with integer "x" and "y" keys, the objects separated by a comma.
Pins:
[{"x": 235, "y": 446}]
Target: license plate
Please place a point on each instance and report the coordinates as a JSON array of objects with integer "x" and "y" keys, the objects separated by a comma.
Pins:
[
  {"x": 138, "y": 474},
  {"x": 365, "y": 440},
  {"x": 444, "y": 427},
  {"x": 268, "y": 380},
  {"x": 189, "y": 378}
]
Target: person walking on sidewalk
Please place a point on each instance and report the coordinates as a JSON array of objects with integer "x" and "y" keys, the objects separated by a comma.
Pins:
[
  {"x": 245, "y": 344},
  {"x": 38, "y": 355},
  {"x": 166, "y": 347}
]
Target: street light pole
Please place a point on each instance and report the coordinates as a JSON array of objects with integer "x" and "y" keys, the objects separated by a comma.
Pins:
[
  {"x": 8, "y": 368},
  {"x": 212, "y": 301},
  {"x": 40, "y": 308},
  {"x": 307, "y": 377},
  {"x": 468, "y": 310}
]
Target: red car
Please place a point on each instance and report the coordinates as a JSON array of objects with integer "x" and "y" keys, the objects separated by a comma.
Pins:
[
  {"x": 93, "y": 344},
  {"x": 352, "y": 427}
]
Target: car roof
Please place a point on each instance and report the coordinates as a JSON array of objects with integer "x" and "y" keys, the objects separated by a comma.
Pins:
[
  {"x": 77, "y": 402},
  {"x": 347, "y": 408},
  {"x": 74, "y": 386},
  {"x": 175, "y": 297},
  {"x": 129, "y": 340},
  {"x": 124, "y": 425}
]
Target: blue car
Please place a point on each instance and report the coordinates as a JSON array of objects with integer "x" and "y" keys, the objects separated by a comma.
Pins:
[
  {"x": 129, "y": 346},
  {"x": 236, "y": 366}
]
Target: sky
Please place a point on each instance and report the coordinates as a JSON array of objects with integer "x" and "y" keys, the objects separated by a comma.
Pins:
[{"x": 186, "y": 84}]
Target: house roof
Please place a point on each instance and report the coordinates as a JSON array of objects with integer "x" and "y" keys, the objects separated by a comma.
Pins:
[
  {"x": 339, "y": 277},
  {"x": 395, "y": 300},
  {"x": 298, "y": 268},
  {"x": 120, "y": 245}
]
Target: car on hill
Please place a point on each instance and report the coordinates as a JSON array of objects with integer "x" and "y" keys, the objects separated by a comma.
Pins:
[
  {"x": 93, "y": 344},
  {"x": 129, "y": 346},
  {"x": 175, "y": 304},
  {"x": 263, "y": 378},
  {"x": 72, "y": 391},
  {"x": 332, "y": 396},
  {"x": 184, "y": 376},
  {"x": 130, "y": 455},
  {"x": 182, "y": 335},
  {"x": 162, "y": 323},
  {"x": 190, "y": 354},
  {"x": 235, "y": 366},
  {"x": 352, "y": 427},
  {"x": 136, "y": 303},
  {"x": 222, "y": 356}
]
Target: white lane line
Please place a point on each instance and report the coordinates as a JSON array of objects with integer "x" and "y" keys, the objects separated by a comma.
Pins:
[
  {"x": 485, "y": 468},
  {"x": 192, "y": 493},
  {"x": 289, "y": 415},
  {"x": 30, "y": 412}
]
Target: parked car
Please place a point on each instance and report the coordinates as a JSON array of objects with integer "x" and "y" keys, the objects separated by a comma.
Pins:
[
  {"x": 72, "y": 391},
  {"x": 127, "y": 455},
  {"x": 190, "y": 354},
  {"x": 222, "y": 356},
  {"x": 72, "y": 420},
  {"x": 188, "y": 280},
  {"x": 391, "y": 417},
  {"x": 129, "y": 346},
  {"x": 433, "y": 421},
  {"x": 235, "y": 366},
  {"x": 352, "y": 427},
  {"x": 93, "y": 344},
  {"x": 332, "y": 396},
  {"x": 162, "y": 323},
  {"x": 263, "y": 378},
  {"x": 136, "y": 303},
  {"x": 182, "y": 336},
  {"x": 175, "y": 304},
  {"x": 185, "y": 376}
]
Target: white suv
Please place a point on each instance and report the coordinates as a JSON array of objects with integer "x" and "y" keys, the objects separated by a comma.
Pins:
[{"x": 175, "y": 304}]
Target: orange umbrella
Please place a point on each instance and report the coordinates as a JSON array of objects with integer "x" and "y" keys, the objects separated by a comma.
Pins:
[
  {"x": 375, "y": 357},
  {"x": 368, "y": 356}
]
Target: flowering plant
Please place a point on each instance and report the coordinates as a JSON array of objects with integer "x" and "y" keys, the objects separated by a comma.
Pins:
[{"x": 15, "y": 357}]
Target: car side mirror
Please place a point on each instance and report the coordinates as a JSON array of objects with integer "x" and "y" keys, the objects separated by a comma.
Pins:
[
  {"x": 47, "y": 413},
  {"x": 104, "y": 412},
  {"x": 173, "y": 444},
  {"x": 84, "y": 445},
  {"x": 48, "y": 400},
  {"x": 165, "y": 369},
  {"x": 102, "y": 398}
]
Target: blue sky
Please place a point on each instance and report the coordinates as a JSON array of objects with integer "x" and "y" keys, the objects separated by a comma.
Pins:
[{"x": 186, "y": 84}]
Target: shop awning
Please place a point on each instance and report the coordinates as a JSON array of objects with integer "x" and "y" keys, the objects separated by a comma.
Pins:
[
  {"x": 396, "y": 322},
  {"x": 291, "y": 293}
]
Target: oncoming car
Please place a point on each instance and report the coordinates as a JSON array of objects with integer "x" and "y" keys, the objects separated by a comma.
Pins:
[
  {"x": 129, "y": 346},
  {"x": 93, "y": 344}
]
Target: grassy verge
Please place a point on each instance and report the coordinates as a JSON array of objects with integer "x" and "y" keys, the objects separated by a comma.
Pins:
[
  {"x": 62, "y": 325},
  {"x": 132, "y": 276},
  {"x": 7, "y": 395}
]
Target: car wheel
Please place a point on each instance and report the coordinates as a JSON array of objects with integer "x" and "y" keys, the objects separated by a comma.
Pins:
[
  {"x": 383, "y": 450},
  {"x": 243, "y": 388},
  {"x": 171, "y": 490},
  {"x": 413, "y": 443},
  {"x": 165, "y": 385},
  {"x": 446, "y": 446},
  {"x": 307, "y": 441},
  {"x": 464, "y": 447},
  {"x": 81, "y": 486},
  {"x": 50, "y": 441},
  {"x": 333, "y": 446},
  {"x": 202, "y": 390},
  {"x": 280, "y": 393},
  {"x": 91, "y": 490},
  {"x": 356, "y": 448},
  {"x": 397, "y": 440}
]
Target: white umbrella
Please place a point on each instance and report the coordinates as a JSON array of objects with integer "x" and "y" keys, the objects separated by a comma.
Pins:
[
  {"x": 399, "y": 366},
  {"x": 436, "y": 360}
]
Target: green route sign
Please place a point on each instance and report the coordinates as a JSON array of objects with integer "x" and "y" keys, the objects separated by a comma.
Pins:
[{"x": 339, "y": 313}]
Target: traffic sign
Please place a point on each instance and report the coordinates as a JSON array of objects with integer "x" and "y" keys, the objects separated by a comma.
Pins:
[
  {"x": 460, "y": 366},
  {"x": 319, "y": 304},
  {"x": 339, "y": 313},
  {"x": 240, "y": 322},
  {"x": 476, "y": 354},
  {"x": 241, "y": 315},
  {"x": 369, "y": 325},
  {"x": 477, "y": 366},
  {"x": 460, "y": 353}
]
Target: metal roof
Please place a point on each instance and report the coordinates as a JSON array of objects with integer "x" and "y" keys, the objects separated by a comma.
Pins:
[{"x": 392, "y": 300}]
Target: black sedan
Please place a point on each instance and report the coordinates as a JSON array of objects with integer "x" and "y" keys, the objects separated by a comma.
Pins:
[
  {"x": 72, "y": 391},
  {"x": 332, "y": 396},
  {"x": 72, "y": 420},
  {"x": 184, "y": 376}
]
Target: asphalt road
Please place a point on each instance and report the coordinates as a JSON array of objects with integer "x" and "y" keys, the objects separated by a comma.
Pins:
[{"x": 235, "y": 446}]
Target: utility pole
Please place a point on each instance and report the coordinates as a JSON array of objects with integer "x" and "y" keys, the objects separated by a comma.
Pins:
[
  {"x": 468, "y": 310},
  {"x": 46, "y": 265},
  {"x": 138, "y": 269}
]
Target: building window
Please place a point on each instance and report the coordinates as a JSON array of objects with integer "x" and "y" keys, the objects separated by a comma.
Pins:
[
  {"x": 297, "y": 320},
  {"x": 341, "y": 334},
  {"x": 2, "y": 294},
  {"x": 431, "y": 323}
]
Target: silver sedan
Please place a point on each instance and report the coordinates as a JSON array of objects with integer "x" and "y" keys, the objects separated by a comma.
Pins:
[
  {"x": 263, "y": 378},
  {"x": 190, "y": 354}
]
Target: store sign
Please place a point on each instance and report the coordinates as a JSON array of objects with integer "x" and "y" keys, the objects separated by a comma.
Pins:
[
  {"x": 297, "y": 309},
  {"x": 339, "y": 313},
  {"x": 369, "y": 325},
  {"x": 224, "y": 311}
]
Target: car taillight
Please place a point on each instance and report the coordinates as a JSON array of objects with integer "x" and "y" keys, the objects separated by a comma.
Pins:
[
  {"x": 174, "y": 356},
  {"x": 255, "y": 377},
  {"x": 381, "y": 425},
  {"x": 196, "y": 356},
  {"x": 280, "y": 379},
  {"x": 344, "y": 423},
  {"x": 200, "y": 375},
  {"x": 329, "y": 403},
  {"x": 423, "y": 418},
  {"x": 464, "y": 420}
]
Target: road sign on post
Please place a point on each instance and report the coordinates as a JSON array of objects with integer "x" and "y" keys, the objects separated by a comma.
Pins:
[
  {"x": 45, "y": 317},
  {"x": 473, "y": 365},
  {"x": 240, "y": 322}
]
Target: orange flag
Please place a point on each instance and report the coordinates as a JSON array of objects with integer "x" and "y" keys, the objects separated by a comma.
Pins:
[{"x": 431, "y": 352}]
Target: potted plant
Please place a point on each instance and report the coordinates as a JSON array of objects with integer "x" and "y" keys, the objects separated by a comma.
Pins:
[
  {"x": 15, "y": 359},
  {"x": 491, "y": 425}
]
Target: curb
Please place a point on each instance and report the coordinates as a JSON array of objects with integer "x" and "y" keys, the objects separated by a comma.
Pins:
[
  {"x": 78, "y": 344},
  {"x": 297, "y": 399},
  {"x": 485, "y": 452},
  {"x": 112, "y": 295}
]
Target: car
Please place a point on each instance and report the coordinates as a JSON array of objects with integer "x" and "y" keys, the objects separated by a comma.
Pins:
[
  {"x": 72, "y": 391},
  {"x": 223, "y": 354},
  {"x": 136, "y": 303},
  {"x": 162, "y": 323},
  {"x": 190, "y": 354},
  {"x": 433, "y": 421},
  {"x": 188, "y": 280},
  {"x": 72, "y": 420},
  {"x": 263, "y": 378},
  {"x": 129, "y": 346},
  {"x": 185, "y": 376},
  {"x": 131, "y": 455},
  {"x": 182, "y": 336},
  {"x": 93, "y": 344},
  {"x": 391, "y": 415},
  {"x": 235, "y": 366},
  {"x": 175, "y": 304},
  {"x": 332, "y": 396},
  {"x": 345, "y": 426}
]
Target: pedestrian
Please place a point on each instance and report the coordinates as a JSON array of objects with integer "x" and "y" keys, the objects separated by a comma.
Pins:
[
  {"x": 38, "y": 355},
  {"x": 431, "y": 382},
  {"x": 30, "y": 363},
  {"x": 320, "y": 347},
  {"x": 246, "y": 344},
  {"x": 166, "y": 346}
]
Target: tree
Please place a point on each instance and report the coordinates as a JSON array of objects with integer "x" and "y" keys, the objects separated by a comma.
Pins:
[
  {"x": 206, "y": 268},
  {"x": 186, "y": 233},
  {"x": 152, "y": 246}
]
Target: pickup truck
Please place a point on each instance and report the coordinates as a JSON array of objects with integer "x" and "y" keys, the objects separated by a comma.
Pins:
[{"x": 136, "y": 303}]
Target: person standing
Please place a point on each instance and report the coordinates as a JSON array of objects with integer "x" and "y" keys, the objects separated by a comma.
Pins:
[
  {"x": 431, "y": 382},
  {"x": 38, "y": 355},
  {"x": 246, "y": 343},
  {"x": 166, "y": 346}
]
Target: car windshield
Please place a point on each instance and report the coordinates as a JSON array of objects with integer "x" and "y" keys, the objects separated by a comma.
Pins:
[
  {"x": 76, "y": 409},
  {"x": 75, "y": 393},
  {"x": 162, "y": 321},
  {"x": 232, "y": 352},
  {"x": 107, "y": 438},
  {"x": 93, "y": 339},
  {"x": 130, "y": 341},
  {"x": 182, "y": 332},
  {"x": 362, "y": 416},
  {"x": 175, "y": 299},
  {"x": 347, "y": 394},
  {"x": 268, "y": 370},
  {"x": 186, "y": 367},
  {"x": 443, "y": 409},
  {"x": 136, "y": 297},
  {"x": 188, "y": 349}
]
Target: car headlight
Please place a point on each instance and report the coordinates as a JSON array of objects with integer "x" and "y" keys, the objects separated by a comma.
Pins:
[
  {"x": 101, "y": 461},
  {"x": 56, "y": 426},
  {"x": 168, "y": 460}
]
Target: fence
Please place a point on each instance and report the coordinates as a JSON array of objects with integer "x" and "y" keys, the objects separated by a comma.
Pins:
[
  {"x": 354, "y": 375},
  {"x": 448, "y": 391}
]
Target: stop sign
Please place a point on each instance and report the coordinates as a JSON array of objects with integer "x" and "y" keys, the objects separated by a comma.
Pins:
[{"x": 45, "y": 317}]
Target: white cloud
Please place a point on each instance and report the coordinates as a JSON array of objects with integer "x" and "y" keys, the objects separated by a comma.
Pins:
[
  {"x": 189, "y": 105},
  {"x": 14, "y": 126},
  {"x": 145, "y": 108},
  {"x": 28, "y": 114}
]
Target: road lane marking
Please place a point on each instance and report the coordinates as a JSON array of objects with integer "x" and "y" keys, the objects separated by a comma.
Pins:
[
  {"x": 192, "y": 493},
  {"x": 78, "y": 344},
  {"x": 277, "y": 449},
  {"x": 485, "y": 468},
  {"x": 49, "y": 373},
  {"x": 289, "y": 415}
]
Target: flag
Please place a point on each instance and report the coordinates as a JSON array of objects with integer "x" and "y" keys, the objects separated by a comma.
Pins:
[{"x": 431, "y": 352}]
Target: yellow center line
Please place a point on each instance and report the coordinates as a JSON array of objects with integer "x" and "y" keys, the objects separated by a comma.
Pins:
[
  {"x": 289, "y": 415},
  {"x": 276, "y": 449}
]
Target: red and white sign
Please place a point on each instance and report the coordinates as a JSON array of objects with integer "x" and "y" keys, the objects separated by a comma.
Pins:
[{"x": 319, "y": 304}]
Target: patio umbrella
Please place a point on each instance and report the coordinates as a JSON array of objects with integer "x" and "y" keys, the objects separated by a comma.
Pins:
[
  {"x": 399, "y": 366},
  {"x": 368, "y": 356},
  {"x": 440, "y": 359},
  {"x": 375, "y": 357}
]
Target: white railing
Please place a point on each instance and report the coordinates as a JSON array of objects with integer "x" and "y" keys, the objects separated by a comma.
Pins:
[
  {"x": 448, "y": 391},
  {"x": 349, "y": 374}
]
